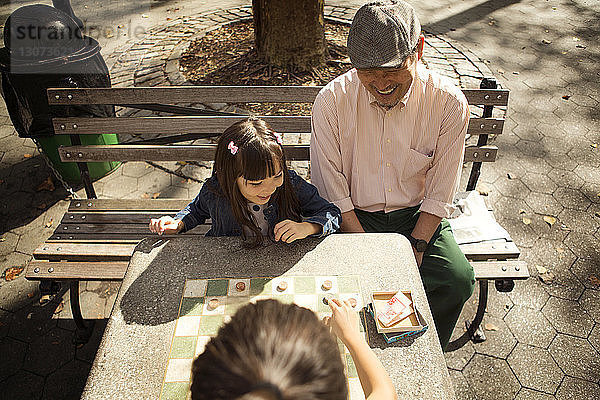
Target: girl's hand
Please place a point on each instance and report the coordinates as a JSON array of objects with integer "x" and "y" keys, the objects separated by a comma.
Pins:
[
  {"x": 344, "y": 322},
  {"x": 287, "y": 231},
  {"x": 165, "y": 225}
]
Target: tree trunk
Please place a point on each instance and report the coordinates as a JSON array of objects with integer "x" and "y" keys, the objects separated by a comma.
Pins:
[{"x": 290, "y": 32}]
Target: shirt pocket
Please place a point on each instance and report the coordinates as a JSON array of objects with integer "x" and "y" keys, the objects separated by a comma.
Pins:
[{"x": 417, "y": 164}]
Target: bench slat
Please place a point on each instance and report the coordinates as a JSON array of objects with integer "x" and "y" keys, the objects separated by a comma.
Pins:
[
  {"x": 500, "y": 269},
  {"x": 223, "y": 94},
  {"x": 212, "y": 125},
  {"x": 142, "y": 218},
  {"x": 84, "y": 252},
  {"x": 84, "y": 271},
  {"x": 116, "y": 229},
  {"x": 171, "y": 125},
  {"x": 496, "y": 249},
  {"x": 109, "y": 236},
  {"x": 139, "y": 205},
  {"x": 204, "y": 152}
]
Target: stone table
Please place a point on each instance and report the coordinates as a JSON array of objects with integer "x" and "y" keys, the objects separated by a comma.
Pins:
[{"x": 131, "y": 359}]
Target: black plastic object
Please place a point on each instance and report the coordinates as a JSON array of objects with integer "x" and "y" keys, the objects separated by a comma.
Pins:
[{"x": 44, "y": 48}]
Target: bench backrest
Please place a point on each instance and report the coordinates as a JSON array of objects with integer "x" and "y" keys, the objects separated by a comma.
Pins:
[{"x": 189, "y": 126}]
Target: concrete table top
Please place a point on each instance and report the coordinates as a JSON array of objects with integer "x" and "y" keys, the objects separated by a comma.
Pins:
[{"x": 131, "y": 359}]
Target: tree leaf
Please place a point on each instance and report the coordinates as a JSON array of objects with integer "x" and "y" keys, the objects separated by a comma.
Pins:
[
  {"x": 145, "y": 195},
  {"x": 490, "y": 327},
  {"x": 521, "y": 211},
  {"x": 594, "y": 280},
  {"x": 60, "y": 307},
  {"x": 547, "y": 278},
  {"x": 27, "y": 155},
  {"x": 46, "y": 185},
  {"x": 10, "y": 274},
  {"x": 526, "y": 220},
  {"x": 49, "y": 223},
  {"x": 549, "y": 220},
  {"x": 155, "y": 195},
  {"x": 541, "y": 269}
]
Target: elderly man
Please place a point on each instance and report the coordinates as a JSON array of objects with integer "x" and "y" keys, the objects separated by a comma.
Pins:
[{"x": 387, "y": 146}]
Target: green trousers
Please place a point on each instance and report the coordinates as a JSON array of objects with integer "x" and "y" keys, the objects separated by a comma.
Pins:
[{"x": 446, "y": 274}]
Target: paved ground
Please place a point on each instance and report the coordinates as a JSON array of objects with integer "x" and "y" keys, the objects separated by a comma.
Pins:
[{"x": 543, "y": 339}]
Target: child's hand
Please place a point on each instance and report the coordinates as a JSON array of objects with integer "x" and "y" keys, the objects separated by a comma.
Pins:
[
  {"x": 287, "y": 231},
  {"x": 165, "y": 225},
  {"x": 344, "y": 321}
]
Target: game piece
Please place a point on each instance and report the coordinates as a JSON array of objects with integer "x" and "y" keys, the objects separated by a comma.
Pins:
[
  {"x": 240, "y": 286},
  {"x": 325, "y": 301},
  {"x": 327, "y": 285},
  {"x": 352, "y": 302},
  {"x": 398, "y": 308},
  {"x": 282, "y": 286},
  {"x": 213, "y": 304}
]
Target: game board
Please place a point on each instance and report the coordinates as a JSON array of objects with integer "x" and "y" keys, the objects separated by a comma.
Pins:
[{"x": 197, "y": 322}]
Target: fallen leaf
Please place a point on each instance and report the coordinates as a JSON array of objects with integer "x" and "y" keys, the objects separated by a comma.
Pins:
[
  {"x": 155, "y": 195},
  {"x": 27, "y": 155},
  {"x": 544, "y": 41},
  {"x": 2, "y": 239},
  {"x": 49, "y": 223},
  {"x": 521, "y": 211},
  {"x": 1, "y": 181},
  {"x": 60, "y": 307},
  {"x": 515, "y": 72},
  {"x": 580, "y": 46},
  {"x": 526, "y": 220},
  {"x": 547, "y": 278},
  {"x": 30, "y": 295},
  {"x": 189, "y": 180},
  {"x": 41, "y": 206},
  {"x": 181, "y": 163},
  {"x": 554, "y": 8},
  {"x": 541, "y": 269},
  {"x": 508, "y": 176},
  {"x": 55, "y": 342},
  {"x": 576, "y": 39},
  {"x": 566, "y": 97},
  {"x": 594, "y": 145},
  {"x": 549, "y": 220},
  {"x": 500, "y": 71},
  {"x": 560, "y": 249},
  {"x": 490, "y": 327},
  {"x": 120, "y": 26},
  {"x": 594, "y": 280},
  {"x": 145, "y": 195},
  {"x": 10, "y": 274},
  {"x": 483, "y": 192},
  {"x": 597, "y": 214},
  {"x": 145, "y": 16},
  {"x": 46, "y": 185}
]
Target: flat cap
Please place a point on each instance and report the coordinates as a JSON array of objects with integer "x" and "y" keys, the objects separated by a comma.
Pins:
[{"x": 383, "y": 34}]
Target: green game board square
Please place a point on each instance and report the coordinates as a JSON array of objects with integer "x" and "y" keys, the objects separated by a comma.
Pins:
[
  {"x": 260, "y": 286},
  {"x": 348, "y": 284},
  {"x": 210, "y": 324},
  {"x": 183, "y": 347},
  {"x": 191, "y": 306},
  {"x": 217, "y": 287},
  {"x": 352, "y": 373},
  {"x": 304, "y": 285},
  {"x": 174, "y": 391},
  {"x": 284, "y": 298}
]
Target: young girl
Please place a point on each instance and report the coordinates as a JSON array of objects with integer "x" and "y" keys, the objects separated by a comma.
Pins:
[
  {"x": 252, "y": 193},
  {"x": 275, "y": 351}
]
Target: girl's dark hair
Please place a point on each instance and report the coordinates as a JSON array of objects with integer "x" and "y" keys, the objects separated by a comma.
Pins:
[
  {"x": 270, "y": 343},
  {"x": 256, "y": 156}
]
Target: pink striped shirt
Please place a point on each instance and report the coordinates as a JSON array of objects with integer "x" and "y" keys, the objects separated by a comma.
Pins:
[{"x": 364, "y": 156}]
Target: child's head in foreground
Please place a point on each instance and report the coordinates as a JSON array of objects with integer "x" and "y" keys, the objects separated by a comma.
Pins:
[
  {"x": 270, "y": 351},
  {"x": 251, "y": 167}
]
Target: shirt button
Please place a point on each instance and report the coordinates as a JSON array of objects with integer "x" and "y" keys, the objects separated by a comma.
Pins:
[
  {"x": 387, "y": 164},
  {"x": 388, "y": 140},
  {"x": 256, "y": 207},
  {"x": 389, "y": 190}
]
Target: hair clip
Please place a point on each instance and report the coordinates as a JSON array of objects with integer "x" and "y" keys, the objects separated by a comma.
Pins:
[
  {"x": 232, "y": 147},
  {"x": 277, "y": 137}
]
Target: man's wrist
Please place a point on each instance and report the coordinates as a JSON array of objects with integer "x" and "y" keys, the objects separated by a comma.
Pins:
[{"x": 419, "y": 245}]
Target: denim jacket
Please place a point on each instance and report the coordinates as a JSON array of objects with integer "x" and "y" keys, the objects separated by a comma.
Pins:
[{"x": 210, "y": 203}]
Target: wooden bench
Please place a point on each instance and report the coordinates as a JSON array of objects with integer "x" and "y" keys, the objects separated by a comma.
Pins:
[{"x": 96, "y": 237}]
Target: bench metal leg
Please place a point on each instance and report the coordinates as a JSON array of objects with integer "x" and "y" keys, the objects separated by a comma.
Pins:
[
  {"x": 474, "y": 331},
  {"x": 84, "y": 329}
]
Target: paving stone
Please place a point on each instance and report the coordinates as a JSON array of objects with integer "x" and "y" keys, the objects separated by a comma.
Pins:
[
  {"x": 5, "y": 317},
  {"x": 535, "y": 368},
  {"x": 594, "y": 337},
  {"x": 120, "y": 186},
  {"x": 67, "y": 382},
  {"x": 50, "y": 352},
  {"x": 499, "y": 339},
  {"x": 586, "y": 269},
  {"x": 529, "y": 326},
  {"x": 568, "y": 317},
  {"x": 539, "y": 183},
  {"x": 543, "y": 204},
  {"x": 23, "y": 386},
  {"x": 491, "y": 378},
  {"x": 13, "y": 352},
  {"x": 87, "y": 352},
  {"x": 583, "y": 245},
  {"x": 512, "y": 187},
  {"x": 8, "y": 243},
  {"x": 529, "y": 293},
  {"x": 31, "y": 322},
  {"x": 13, "y": 294},
  {"x": 575, "y": 389},
  {"x": 571, "y": 198},
  {"x": 590, "y": 301},
  {"x": 576, "y": 357},
  {"x": 581, "y": 221},
  {"x": 154, "y": 182},
  {"x": 565, "y": 286},
  {"x": 528, "y": 394},
  {"x": 136, "y": 169},
  {"x": 459, "y": 358},
  {"x": 461, "y": 387},
  {"x": 553, "y": 255}
]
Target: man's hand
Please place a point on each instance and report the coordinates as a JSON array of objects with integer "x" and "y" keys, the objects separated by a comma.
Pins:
[
  {"x": 165, "y": 225},
  {"x": 287, "y": 231}
]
